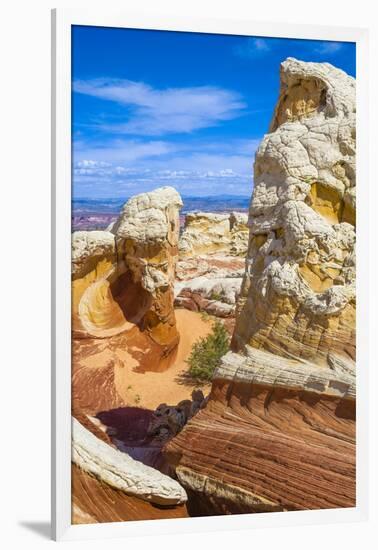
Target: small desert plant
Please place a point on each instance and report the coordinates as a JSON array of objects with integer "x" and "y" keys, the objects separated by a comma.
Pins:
[
  {"x": 137, "y": 398},
  {"x": 216, "y": 296},
  {"x": 207, "y": 352},
  {"x": 205, "y": 316}
]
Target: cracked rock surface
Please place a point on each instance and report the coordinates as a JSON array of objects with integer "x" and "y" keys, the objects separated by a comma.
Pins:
[
  {"x": 278, "y": 430},
  {"x": 298, "y": 293},
  {"x": 124, "y": 277}
]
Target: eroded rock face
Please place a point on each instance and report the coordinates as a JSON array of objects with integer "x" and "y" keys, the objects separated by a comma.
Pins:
[
  {"x": 207, "y": 233},
  {"x": 125, "y": 277},
  {"x": 298, "y": 295},
  {"x": 275, "y": 435},
  {"x": 214, "y": 295},
  {"x": 278, "y": 431}
]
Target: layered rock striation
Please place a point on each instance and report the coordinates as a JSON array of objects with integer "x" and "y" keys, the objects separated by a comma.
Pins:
[
  {"x": 278, "y": 431},
  {"x": 298, "y": 295},
  {"x": 275, "y": 435},
  {"x": 120, "y": 471},
  {"x": 211, "y": 262},
  {"x": 124, "y": 277},
  {"x": 207, "y": 233}
]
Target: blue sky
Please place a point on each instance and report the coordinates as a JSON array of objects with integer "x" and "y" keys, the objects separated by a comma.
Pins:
[{"x": 153, "y": 108}]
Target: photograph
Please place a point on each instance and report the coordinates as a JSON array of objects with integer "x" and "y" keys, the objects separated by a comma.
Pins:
[{"x": 213, "y": 292}]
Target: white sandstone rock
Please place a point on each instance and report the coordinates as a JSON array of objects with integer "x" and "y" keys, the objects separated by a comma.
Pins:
[
  {"x": 267, "y": 369},
  {"x": 122, "y": 472},
  {"x": 222, "y": 289},
  {"x": 90, "y": 245},
  {"x": 298, "y": 294},
  {"x": 144, "y": 217},
  {"x": 207, "y": 233}
]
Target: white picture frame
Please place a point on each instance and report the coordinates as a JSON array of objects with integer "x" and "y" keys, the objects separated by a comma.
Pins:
[{"x": 62, "y": 20}]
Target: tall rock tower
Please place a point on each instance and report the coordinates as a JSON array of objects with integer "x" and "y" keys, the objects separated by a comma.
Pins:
[{"x": 298, "y": 295}]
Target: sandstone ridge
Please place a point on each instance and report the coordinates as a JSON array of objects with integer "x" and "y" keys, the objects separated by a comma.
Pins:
[{"x": 271, "y": 438}]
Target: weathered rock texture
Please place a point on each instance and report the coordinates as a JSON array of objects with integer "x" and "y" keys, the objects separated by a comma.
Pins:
[
  {"x": 298, "y": 296},
  {"x": 116, "y": 505},
  {"x": 215, "y": 295},
  {"x": 120, "y": 471},
  {"x": 278, "y": 432},
  {"x": 125, "y": 277},
  {"x": 209, "y": 283},
  {"x": 211, "y": 262},
  {"x": 169, "y": 420},
  {"x": 207, "y": 233},
  {"x": 275, "y": 435}
]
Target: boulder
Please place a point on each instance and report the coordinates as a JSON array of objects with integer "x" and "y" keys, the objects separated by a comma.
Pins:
[{"x": 168, "y": 420}]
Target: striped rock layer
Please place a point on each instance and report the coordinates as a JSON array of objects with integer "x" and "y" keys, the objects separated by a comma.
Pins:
[
  {"x": 278, "y": 432},
  {"x": 273, "y": 438},
  {"x": 298, "y": 294},
  {"x": 124, "y": 278}
]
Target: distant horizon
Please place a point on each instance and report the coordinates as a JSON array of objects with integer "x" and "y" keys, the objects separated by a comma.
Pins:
[
  {"x": 154, "y": 107},
  {"x": 218, "y": 195},
  {"x": 90, "y": 213}
]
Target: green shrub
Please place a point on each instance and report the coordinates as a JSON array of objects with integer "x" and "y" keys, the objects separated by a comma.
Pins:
[
  {"x": 207, "y": 352},
  {"x": 216, "y": 296}
]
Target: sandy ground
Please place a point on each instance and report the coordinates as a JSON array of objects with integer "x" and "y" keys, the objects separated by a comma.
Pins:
[
  {"x": 149, "y": 389},
  {"x": 111, "y": 370}
]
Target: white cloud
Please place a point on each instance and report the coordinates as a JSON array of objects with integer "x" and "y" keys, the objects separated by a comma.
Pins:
[
  {"x": 119, "y": 151},
  {"x": 161, "y": 111},
  {"x": 329, "y": 47},
  {"x": 120, "y": 168},
  {"x": 92, "y": 164},
  {"x": 254, "y": 47}
]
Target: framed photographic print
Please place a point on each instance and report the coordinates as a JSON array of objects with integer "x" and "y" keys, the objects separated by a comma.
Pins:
[{"x": 205, "y": 178}]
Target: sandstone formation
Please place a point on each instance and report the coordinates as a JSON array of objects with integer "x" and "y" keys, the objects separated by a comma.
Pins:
[
  {"x": 275, "y": 435},
  {"x": 209, "y": 283},
  {"x": 298, "y": 296},
  {"x": 207, "y": 233},
  {"x": 215, "y": 295},
  {"x": 130, "y": 369},
  {"x": 211, "y": 262},
  {"x": 124, "y": 278},
  {"x": 278, "y": 431},
  {"x": 120, "y": 471},
  {"x": 97, "y": 502}
]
